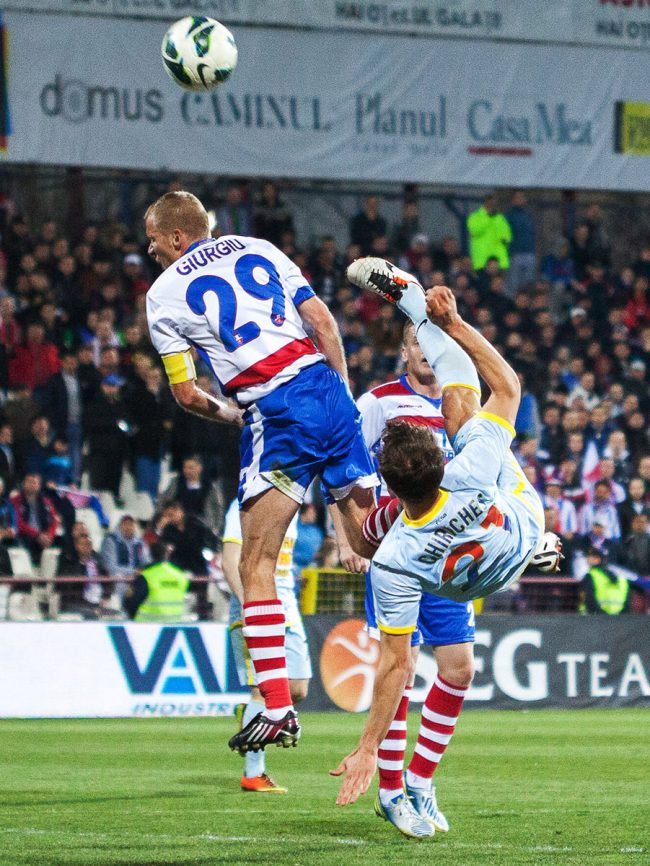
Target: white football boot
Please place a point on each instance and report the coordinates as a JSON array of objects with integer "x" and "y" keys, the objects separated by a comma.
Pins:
[
  {"x": 391, "y": 283},
  {"x": 425, "y": 804},
  {"x": 403, "y": 816}
]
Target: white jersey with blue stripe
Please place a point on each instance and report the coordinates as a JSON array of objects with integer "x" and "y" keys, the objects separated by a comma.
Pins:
[
  {"x": 397, "y": 401},
  {"x": 235, "y": 300},
  {"x": 476, "y": 539}
]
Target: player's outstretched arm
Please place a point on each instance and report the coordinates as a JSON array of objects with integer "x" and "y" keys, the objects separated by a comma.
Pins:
[
  {"x": 360, "y": 765},
  {"x": 493, "y": 369},
  {"x": 199, "y": 402},
  {"x": 318, "y": 318}
]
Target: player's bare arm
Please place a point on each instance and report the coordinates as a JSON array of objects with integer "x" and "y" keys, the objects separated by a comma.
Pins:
[
  {"x": 493, "y": 369},
  {"x": 318, "y": 318},
  {"x": 349, "y": 559},
  {"x": 193, "y": 399},
  {"x": 360, "y": 765}
]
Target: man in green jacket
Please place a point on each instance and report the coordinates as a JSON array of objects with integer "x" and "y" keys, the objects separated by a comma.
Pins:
[
  {"x": 157, "y": 594},
  {"x": 602, "y": 590},
  {"x": 489, "y": 235}
]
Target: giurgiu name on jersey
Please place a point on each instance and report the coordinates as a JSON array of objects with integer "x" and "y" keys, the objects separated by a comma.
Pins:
[
  {"x": 204, "y": 255},
  {"x": 443, "y": 536}
]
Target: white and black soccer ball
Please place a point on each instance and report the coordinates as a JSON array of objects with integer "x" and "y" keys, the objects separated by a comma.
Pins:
[
  {"x": 548, "y": 553},
  {"x": 199, "y": 53}
]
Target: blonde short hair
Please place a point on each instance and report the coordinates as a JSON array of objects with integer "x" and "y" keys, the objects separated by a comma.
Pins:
[{"x": 180, "y": 210}]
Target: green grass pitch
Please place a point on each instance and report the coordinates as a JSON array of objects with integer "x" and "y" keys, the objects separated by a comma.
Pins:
[{"x": 538, "y": 787}]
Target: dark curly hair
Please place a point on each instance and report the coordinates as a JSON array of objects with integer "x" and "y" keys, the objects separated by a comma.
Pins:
[{"x": 411, "y": 461}]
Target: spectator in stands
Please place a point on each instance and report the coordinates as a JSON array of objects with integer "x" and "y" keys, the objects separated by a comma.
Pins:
[
  {"x": 552, "y": 439},
  {"x": 197, "y": 493},
  {"x": 57, "y": 468},
  {"x": 527, "y": 420},
  {"x": 234, "y": 216},
  {"x": 10, "y": 337},
  {"x": 157, "y": 593},
  {"x": 635, "y": 503},
  {"x": 602, "y": 510},
  {"x": 7, "y": 457},
  {"x": 191, "y": 541},
  {"x": 580, "y": 250},
  {"x": 310, "y": 537},
  {"x": 636, "y": 554},
  {"x": 408, "y": 226},
  {"x": 135, "y": 282},
  {"x": 37, "y": 520},
  {"x": 598, "y": 242},
  {"x": 147, "y": 411},
  {"x": 602, "y": 589},
  {"x": 489, "y": 235},
  {"x": 8, "y": 530},
  {"x": 35, "y": 360},
  {"x": 271, "y": 218},
  {"x": 367, "y": 225},
  {"x": 37, "y": 448},
  {"x": 106, "y": 425},
  {"x": 558, "y": 267},
  {"x": 61, "y": 400},
  {"x": 123, "y": 551},
  {"x": 523, "y": 261},
  {"x": 92, "y": 598}
]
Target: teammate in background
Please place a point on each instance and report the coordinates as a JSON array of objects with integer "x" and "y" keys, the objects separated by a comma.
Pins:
[
  {"x": 255, "y": 777},
  {"x": 244, "y": 307},
  {"x": 467, "y": 530},
  {"x": 444, "y": 624}
]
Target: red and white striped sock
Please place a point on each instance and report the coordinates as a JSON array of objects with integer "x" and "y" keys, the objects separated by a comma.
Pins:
[
  {"x": 264, "y": 628},
  {"x": 380, "y": 520},
  {"x": 439, "y": 716},
  {"x": 392, "y": 750}
]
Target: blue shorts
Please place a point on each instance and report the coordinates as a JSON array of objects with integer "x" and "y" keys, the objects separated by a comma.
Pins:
[
  {"x": 441, "y": 622},
  {"x": 306, "y": 427}
]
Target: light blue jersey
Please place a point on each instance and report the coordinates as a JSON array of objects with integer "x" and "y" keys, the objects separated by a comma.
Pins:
[{"x": 477, "y": 538}]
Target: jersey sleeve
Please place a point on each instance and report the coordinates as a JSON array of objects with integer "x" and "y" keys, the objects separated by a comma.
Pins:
[
  {"x": 372, "y": 419},
  {"x": 173, "y": 348},
  {"x": 481, "y": 446},
  {"x": 232, "y": 524},
  {"x": 397, "y": 600},
  {"x": 293, "y": 279}
]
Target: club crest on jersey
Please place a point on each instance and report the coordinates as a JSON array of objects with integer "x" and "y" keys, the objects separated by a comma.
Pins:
[{"x": 443, "y": 536}]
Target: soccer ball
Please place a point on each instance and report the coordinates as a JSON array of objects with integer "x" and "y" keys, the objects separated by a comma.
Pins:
[
  {"x": 548, "y": 553},
  {"x": 199, "y": 53}
]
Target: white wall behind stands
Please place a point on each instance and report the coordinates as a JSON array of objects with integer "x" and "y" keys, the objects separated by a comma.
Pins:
[{"x": 334, "y": 106}]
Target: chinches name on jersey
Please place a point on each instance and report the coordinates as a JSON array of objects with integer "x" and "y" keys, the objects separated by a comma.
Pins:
[
  {"x": 235, "y": 300},
  {"x": 476, "y": 539}
]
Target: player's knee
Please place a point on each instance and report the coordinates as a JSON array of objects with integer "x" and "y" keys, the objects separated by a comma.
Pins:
[
  {"x": 299, "y": 690},
  {"x": 458, "y": 673}
]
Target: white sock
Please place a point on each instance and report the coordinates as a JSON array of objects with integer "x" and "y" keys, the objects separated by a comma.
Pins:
[
  {"x": 414, "y": 781},
  {"x": 413, "y": 303},
  {"x": 254, "y": 762},
  {"x": 387, "y": 797},
  {"x": 449, "y": 361}
]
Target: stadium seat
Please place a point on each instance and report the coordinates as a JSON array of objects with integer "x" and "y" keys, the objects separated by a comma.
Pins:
[
  {"x": 23, "y": 607},
  {"x": 127, "y": 489},
  {"x": 143, "y": 509},
  {"x": 50, "y": 562},
  {"x": 107, "y": 501},
  {"x": 21, "y": 564}
]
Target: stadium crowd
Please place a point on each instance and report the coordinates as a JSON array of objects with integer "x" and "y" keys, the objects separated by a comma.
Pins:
[{"x": 84, "y": 398}]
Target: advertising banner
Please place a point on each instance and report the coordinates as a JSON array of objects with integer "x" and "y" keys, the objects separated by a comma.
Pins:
[
  {"x": 623, "y": 23},
  {"x": 525, "y": 661},
  {"x": 454, "y": 112},
  {"x": 70, "y": 670}
]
